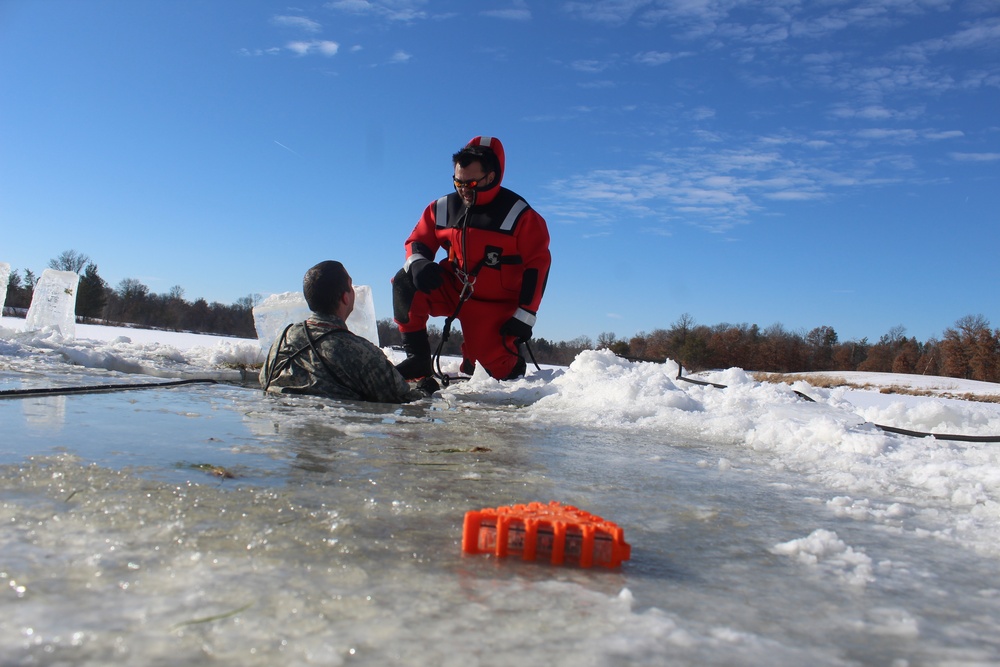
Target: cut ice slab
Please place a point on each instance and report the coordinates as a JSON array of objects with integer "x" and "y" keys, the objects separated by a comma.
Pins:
[
  {"x": 53, "y": 303},
  {"x": 277, "y": 311},
  {"x": 4, "y": 278}
]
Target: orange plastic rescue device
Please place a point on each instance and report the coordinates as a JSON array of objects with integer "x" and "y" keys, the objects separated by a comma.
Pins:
[{"x": 561, "y": 534}]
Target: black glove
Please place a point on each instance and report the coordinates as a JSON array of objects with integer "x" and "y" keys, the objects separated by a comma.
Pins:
[
  {"x": 516, "y": 328},
  {"x": 428, "y": 385},
  {"x": 426, "y": 275}
]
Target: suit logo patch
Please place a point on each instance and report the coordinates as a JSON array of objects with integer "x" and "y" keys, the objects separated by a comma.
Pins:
[{"x": 493, "y": 255}]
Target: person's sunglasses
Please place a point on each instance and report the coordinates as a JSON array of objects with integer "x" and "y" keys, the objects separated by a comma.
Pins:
[{"x": 471, "y": 183}]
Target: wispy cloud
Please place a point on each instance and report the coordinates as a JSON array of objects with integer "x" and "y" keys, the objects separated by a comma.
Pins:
[
  {"x": 975, "y": 157},
  {"x": 511, "y": 14},
  {"x": 946, "y": 134},
  {"x": 888, "y": 134},
  {"x": 273, "y": 51},
  {"x": 762, "y": 22},
  {"x": 314, "y": 47},
  {"x": 794, "y": 195},
  {"x": 719, "y": 188},
  {"x": 614, "y": 12},
  {"x": 984, "y": 33},
  {"x": 659, "y": 57},
  {"x": 876, "y": 112},
  {"x": 399, "y": 58},
  {"x": 702, "y": 113},
  {"x": 392, "y": 10},
  {"x": 759, "y": 34},
  {"x": 297, "y": 22},
  {"x": 590, "y": 66}
]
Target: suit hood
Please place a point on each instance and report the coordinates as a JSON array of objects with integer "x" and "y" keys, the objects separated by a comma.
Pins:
[{"x": 492, "y": 149}]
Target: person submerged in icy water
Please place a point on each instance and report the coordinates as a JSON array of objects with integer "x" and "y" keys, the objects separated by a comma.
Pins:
[{"x": 321, "y": 356}]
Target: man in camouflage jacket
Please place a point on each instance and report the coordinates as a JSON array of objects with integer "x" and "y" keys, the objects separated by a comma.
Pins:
[{"x": 321, "y": 356}]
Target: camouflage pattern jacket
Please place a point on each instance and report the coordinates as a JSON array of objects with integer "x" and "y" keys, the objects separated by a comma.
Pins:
[{"x": 320, "y": 356}]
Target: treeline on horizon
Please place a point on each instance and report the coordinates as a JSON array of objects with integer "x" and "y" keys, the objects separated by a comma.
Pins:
[
  {"x": 132, "y": 302},
  {"x": 969, "y": 349}
]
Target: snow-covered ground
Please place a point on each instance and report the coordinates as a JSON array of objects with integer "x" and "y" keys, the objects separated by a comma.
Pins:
[
  {"x": 766, "y": 529},
  {"x": 168, "y": 354},
  {"x": 899, "y": 383}
]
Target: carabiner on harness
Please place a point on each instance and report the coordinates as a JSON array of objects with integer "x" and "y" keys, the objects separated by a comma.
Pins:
[{"x": 468, "y": 286}]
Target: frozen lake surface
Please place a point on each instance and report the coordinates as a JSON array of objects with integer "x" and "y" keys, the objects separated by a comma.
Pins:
[{"x": 764, "y": 530}]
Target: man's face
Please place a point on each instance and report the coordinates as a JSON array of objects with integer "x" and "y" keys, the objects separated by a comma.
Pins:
[{"x": 464, "y": 178}]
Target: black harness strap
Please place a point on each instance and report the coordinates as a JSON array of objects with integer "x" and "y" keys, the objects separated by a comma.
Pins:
[
  {"x": 312, "y": 346},
  {"x": 464, "y": 296},
  {"x": 282, "y": 364}
]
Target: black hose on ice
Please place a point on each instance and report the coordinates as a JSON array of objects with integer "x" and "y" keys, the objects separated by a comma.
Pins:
[
  {"x": 887, "y": 429},
  {"x": 97, "y": 388}
]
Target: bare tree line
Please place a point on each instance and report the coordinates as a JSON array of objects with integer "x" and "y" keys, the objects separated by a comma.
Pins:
[
  {"x": 131, "y": 302},
  {"x": 969, "y": 349}
]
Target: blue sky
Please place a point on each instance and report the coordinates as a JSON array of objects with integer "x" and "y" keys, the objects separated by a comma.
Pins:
[{"x": 803, "y": 163}]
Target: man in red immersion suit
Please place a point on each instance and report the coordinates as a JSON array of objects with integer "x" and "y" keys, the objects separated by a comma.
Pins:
[{"x": 493, "y": 273}]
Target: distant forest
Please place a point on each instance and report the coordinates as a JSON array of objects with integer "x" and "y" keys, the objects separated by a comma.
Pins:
[
  {"x": 132, "y": 303},
  {"x": 969, "y": 349}
]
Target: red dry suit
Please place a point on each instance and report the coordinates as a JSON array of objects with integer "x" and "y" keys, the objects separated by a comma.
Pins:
[{"x": 500, "y": 246}]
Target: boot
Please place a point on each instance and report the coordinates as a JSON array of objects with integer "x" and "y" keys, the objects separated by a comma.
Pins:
[
  {"x": 519, "y": 369},
  {"x": 418, "y": 356}
]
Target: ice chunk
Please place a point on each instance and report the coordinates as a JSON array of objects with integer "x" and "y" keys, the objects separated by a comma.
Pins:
[
  {"x": 53, "y": 303},
  {"x": 362, "y": 318},
  {"x": 277, "y": 311},
  {"x": 4, "y": 277}
]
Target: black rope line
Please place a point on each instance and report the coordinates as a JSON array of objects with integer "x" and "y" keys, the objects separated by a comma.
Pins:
[
  {"x": 887, "y": 429},
  {"x": 98, "y": 388},
  {"x": 531, "y": 354}
]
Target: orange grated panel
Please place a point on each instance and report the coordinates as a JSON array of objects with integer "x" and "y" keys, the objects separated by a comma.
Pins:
[{"x": 561, "y": 534}]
